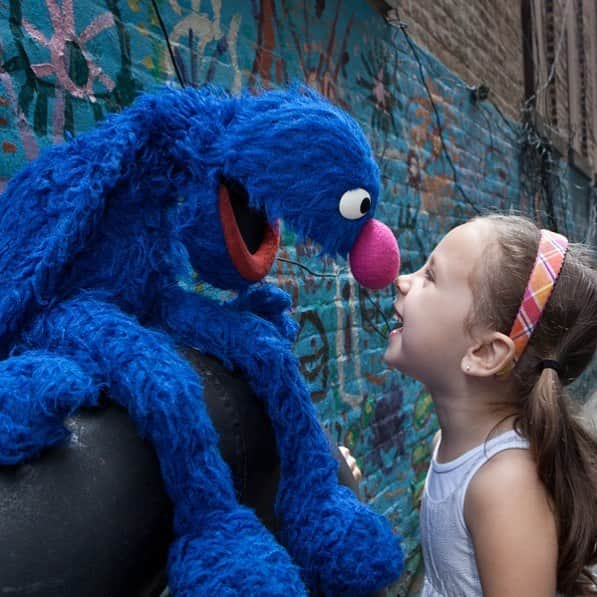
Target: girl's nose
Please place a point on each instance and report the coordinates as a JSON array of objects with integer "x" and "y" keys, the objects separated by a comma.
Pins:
[{"x": 402, "y": 284}]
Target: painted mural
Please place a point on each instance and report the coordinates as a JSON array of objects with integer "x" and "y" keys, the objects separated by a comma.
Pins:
[{"x": 65, "y": 64}]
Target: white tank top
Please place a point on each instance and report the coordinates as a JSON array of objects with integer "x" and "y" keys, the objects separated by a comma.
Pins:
[{"x": 448, "y": 552}]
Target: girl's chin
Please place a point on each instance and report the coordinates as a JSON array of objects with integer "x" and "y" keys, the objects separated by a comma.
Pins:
[
  {"x": 390, "y": 359},
  {"x": 392, "y": 353},
  {"x": 395, "y": 360}
]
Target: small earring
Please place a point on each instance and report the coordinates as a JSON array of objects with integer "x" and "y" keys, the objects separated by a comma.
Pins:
[{"x": 467, "y": 368}]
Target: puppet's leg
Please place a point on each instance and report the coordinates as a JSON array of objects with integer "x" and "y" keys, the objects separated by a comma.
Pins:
[
  {"x": 344, "y": 547},
  {"x": 220, "y": 548},
  {"x": 38, "y": 390}
]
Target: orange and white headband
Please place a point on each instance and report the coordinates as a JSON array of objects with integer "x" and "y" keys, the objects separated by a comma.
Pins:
[{"x": 544, "y": 275}]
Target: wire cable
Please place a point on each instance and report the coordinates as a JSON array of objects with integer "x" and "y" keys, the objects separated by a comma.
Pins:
[{"x": 168, "y": 44}]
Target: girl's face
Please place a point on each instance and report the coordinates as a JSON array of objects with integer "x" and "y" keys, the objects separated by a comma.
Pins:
[{"x": 433, "y": 304}]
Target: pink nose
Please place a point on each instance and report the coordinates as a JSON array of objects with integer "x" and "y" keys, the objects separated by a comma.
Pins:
[{"x": 375, "y": 257}]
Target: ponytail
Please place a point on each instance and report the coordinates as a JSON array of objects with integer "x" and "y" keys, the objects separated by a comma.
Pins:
[{"x": 566, "y": 457}]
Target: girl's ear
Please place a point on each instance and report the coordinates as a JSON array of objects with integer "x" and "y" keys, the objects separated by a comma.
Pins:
[{"x": 489, "y": 356}]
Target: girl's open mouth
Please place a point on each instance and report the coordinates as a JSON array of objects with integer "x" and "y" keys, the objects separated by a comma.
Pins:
[{"x": 398, "y": 323}]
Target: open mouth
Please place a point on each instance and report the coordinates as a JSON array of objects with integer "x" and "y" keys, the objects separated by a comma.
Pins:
[
  {"x": 398, "y": 322},
  {"x": 252, "y": 242}
]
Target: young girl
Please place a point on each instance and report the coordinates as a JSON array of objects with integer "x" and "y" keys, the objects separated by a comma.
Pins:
[{"x": 501, "y": 318}]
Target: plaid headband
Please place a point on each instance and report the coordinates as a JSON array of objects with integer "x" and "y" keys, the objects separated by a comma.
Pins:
[{"x": 545, "y": 272}]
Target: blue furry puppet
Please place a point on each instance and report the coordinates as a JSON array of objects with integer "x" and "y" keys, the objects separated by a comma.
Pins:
[{"x": 93, "y": 238}]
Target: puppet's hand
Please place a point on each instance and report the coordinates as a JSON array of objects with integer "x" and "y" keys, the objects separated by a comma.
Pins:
[{"x": 270, "y": 303}]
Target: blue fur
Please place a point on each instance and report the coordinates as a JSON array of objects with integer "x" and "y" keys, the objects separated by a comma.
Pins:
[{"x": 93, "y": 237}]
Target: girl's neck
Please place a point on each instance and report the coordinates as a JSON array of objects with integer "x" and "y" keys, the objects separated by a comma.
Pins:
[{"x": 467, "y": 420}]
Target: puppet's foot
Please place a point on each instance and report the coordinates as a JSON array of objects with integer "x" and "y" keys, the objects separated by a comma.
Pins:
[
  {"x": 344, "y": 547},
  {"x": 38, "y": 391},
  {"x": 234, "y": 555}
]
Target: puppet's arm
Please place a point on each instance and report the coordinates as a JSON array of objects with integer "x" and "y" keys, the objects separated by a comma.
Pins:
[{"x": 324, "y": 527}]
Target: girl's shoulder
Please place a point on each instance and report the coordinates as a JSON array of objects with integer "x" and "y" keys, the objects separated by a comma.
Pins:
[
  {"x": 506, "y": 474},
  {"x": 508, "y": 491}
]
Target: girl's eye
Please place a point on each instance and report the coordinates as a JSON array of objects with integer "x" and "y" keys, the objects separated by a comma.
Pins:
[{"x": 429, "y": 274}]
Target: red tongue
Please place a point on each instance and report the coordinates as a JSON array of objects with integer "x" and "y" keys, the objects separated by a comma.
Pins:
[{"x": 251, "y": 266}]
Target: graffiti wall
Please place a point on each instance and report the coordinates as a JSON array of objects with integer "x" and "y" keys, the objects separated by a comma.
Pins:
[{"x": 444, "y": 156}]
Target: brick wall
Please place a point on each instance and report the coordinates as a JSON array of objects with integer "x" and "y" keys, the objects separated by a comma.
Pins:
[
  {"x": 443, "y": 157},
  {"x": 481, "y": 42}
]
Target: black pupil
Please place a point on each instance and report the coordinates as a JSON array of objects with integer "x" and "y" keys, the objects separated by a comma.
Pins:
[{"x": 365, "y": 205}]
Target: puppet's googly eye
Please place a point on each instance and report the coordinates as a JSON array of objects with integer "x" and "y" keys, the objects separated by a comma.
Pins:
[{"x": 355, "y": 204}]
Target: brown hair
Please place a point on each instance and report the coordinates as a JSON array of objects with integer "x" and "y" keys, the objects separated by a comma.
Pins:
[{"x": 564, "y": 449}]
